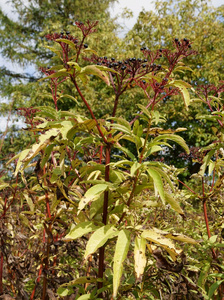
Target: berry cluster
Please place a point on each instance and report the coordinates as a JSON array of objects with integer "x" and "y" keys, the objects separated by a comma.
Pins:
[
  {"x": 195, "y": 154},
  {"x": 130, "y": 65},
  {"x": 63, "y": 35},
  {"x": 87, "y": 28},
  {"x": 183, "y": 49}
]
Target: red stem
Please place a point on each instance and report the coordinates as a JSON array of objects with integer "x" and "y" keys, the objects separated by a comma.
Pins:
[
  {"x": 1, "y": 269},
  {"x": 105, "y": 214},
  {"x": 89, "y": 109}
]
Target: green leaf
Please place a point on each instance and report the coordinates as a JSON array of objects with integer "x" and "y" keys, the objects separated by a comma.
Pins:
[
  {"x": 152, "y": 150},
  {"x": 158, "y": 183},
  {"x": 70, "y": 97},
  {"x": 173, "y": 203},
  {"x": 81, "y": 280},
  {"x": 54, "y": 50},
  {"x": 182, "y": 86},
  {"x": 91, "y": 194},
  {"x": 127, "y": 152},
  {"x": 145, "y": 111},
  {"x": 175, "y": 138},
  {"x": 21, "y": 156},
  {"x": 122, "y": 122},
  {"x": 139, "y": 256},
  {"x": 70, "y": 43},
  {"x": 99, "y": 238},
  {"x": 64, "y": 291},
  {"x": 214, "y": 287},
  {"x": 47, "y": 111},
  {"x": 75, "y": 65},
  {"x": 204, "y": 274},
  {"x": 61, "y": 73},
  {"x": 29, "y": 202},
  {"x": 85, "y": 297},
  {"x": 206, "y": 161},
  {"x": 121, "y": 128},
  {"x": 80, "y": 230},
  {"x": 94, "y": 70},
  {"x": 121, "y": 251},
  {"x": 134, "y": 168}
]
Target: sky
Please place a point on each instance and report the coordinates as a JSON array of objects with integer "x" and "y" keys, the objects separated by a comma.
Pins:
[
  {"x": 116, "y": 9},
  {"x": 137, "y": 5}
]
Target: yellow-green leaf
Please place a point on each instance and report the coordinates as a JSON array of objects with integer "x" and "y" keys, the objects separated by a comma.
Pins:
[
  {"x": 139, "y": 256},
  {"x": 80, "y": 230},
  {"x": 99, "y": 238},
  {"x": 121, "y": 251},
  {"x": 91, "y": 194}
]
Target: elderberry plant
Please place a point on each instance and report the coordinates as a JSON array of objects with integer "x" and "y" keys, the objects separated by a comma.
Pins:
[{"x": 89, "y": 187}]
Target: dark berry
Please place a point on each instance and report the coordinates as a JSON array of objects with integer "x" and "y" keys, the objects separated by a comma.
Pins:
[
  {"x": 144, "y": 65},
  {"x": 126, "y": 62},
  {"x": 159, "y": 66},
  {"x": 176, "y": 40},
  {"x": 67, "y": 32},
  {"x": 99, "y": 64},
  {"x": 133, "y": 59},
  {"x": 145, "y": 60},
  {"x": 189, "y": 46},
  {"x": 123, "y": 67},
  {"x": 85, "y": 45},
  {"x": 143, "y": 81},
  {"x": 160, "y": 50},
  {"x": 105, "y": 57},
  {"x": 62, "y": 32},
  {"x": 120, "y": 62},
  {"x": 162, "y": 87},
  {"x": 112, "y": 58},
  {"x": 142, "y": 49},
  {"x": 130, "y": 59},
  {"x": 139, "y": 59}
]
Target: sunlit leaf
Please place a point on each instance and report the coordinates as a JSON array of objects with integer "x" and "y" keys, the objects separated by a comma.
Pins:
[
  {"x": 80, "y": 230},
  {"x": 121, "y": 251},
  {"x": 99, "y": 238},
  {"x": 139, "y": 256},
  {"x": 91, "y": 194}
]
